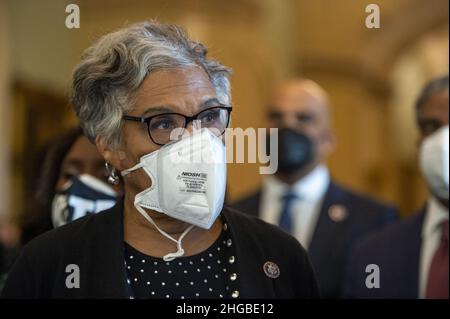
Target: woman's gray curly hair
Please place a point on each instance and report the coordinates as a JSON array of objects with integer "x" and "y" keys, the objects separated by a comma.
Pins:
[{"x": 113, "y": 68}]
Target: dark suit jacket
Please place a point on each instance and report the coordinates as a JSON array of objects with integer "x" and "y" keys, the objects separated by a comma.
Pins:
[
  {"x": 332, "y": 240},
  {"x": 95, "y": 244},
  {"x": 396, "y": 251}
]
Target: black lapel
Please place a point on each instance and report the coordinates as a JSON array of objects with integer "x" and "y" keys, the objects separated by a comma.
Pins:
[
  {"x": 107, "y": 278},
  {"x": 249, "y": 262},
  {"x": 411, "y": 249},
  {"x": 328, "y": 233}
]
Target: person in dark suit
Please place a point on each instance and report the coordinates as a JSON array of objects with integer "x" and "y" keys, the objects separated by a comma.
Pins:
[
  {"x": 301, "y": 197},
  {"x": 141, "y": 93},
  {"x": 411, "y": 256}
]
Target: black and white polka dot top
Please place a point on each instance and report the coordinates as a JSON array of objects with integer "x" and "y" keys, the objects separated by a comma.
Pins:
[{"x": 205, "y": 275}]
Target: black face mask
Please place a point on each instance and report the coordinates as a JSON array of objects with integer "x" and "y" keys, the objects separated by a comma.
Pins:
[{"x": 295, "y": 150}]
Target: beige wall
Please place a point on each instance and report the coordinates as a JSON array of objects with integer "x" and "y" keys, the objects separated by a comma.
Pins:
[
  {"x": 41, "y": 44},
  {"x": 4, "y": 111}
]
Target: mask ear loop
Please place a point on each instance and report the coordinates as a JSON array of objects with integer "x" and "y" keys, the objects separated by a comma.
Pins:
[
  {"x": 180, "y": 250},
  {"x": 125, "y": 172}
]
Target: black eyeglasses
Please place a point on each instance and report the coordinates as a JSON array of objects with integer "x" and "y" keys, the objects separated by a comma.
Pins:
[{"x": 166, "y": 127}]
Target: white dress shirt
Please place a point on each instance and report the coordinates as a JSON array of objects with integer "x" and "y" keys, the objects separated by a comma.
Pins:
[
  {"x": 305, "y": 209},
  {"x": 431, "y": 235}
]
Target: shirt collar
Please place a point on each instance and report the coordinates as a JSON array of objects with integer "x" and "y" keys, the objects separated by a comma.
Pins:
[
  {"x": 311, "y": 187},
  {"x": 436, "y": 214}
]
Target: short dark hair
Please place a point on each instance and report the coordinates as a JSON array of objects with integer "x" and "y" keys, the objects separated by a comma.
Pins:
[{"x": 433, "y": 87}]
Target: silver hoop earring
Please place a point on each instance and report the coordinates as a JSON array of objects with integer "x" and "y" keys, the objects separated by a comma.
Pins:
[{"x": 113, "y": 178}]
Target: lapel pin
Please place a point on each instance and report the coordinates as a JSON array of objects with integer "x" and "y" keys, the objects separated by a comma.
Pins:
[
  {"x": 337, "y": 213},
  {"x": 271, "y": 269}
]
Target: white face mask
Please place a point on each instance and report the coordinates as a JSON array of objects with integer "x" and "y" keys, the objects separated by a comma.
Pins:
[
  {"x": 188, "y": 182},
  {"x": 434, "y": 162}
]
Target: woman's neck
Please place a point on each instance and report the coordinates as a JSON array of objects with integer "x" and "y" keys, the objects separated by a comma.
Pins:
[{"x": 143, "y": 236}]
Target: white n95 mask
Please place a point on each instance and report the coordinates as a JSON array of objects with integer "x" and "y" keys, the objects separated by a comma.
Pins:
[
  {"x": 434, "y": 162},
  {"x": 188, "y": 182}
]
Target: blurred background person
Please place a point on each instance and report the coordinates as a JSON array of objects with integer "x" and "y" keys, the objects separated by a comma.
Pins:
[
  {"x": 72, "y": 170},
  {"x": 412, "y": 255},
  {"x": 301, "y": 197},
  {"x": 71, "y": 184}
]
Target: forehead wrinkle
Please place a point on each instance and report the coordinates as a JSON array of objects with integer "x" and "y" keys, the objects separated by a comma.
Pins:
[{"x": 162, "y": 90}]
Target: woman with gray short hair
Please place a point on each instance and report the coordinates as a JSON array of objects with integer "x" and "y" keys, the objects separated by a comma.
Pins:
[{"x": 157, "y": 107}]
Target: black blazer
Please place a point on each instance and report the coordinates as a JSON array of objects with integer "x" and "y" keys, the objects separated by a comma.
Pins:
[
  {"x": 95, "y": 244},
  {"x": 331, "y": 240},
  {"x": 396, "y": 251}
]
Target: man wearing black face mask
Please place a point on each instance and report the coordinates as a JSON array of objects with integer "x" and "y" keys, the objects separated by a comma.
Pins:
[{"x": 301, "y": 197}]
